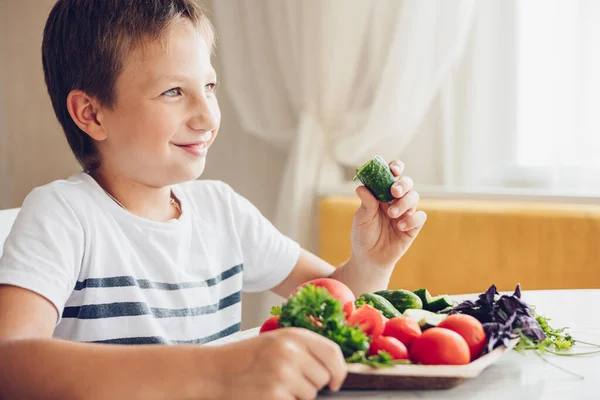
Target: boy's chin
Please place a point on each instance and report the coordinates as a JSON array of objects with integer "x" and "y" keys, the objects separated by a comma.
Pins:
[{"x": 193, "y": 172}]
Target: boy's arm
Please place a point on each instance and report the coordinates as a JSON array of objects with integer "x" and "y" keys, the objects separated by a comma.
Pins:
[
  {"x": 381, "y": 235},
  {"x": 310, "y": 266},
  {"x": 284, "y": 364},
  {"x": 33, "y": 365}
]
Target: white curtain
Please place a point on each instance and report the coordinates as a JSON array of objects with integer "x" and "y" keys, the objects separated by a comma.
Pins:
[
  {"x": 478, "y": 101},
  {"x": 521, "y": 108},
  {"x": 334, "y": 82}
]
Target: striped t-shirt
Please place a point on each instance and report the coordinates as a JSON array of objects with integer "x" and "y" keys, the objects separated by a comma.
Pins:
[{"x": 118, "y": 278}]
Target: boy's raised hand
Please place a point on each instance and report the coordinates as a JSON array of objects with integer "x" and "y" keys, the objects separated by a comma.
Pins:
[
  {"x": 290, "y": 363},
  {"x": 383, "y": 232}
]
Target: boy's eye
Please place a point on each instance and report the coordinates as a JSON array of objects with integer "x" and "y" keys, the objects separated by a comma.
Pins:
[
  {"x": 211, "y": 87},
  {"x": 173, "y": 92}
]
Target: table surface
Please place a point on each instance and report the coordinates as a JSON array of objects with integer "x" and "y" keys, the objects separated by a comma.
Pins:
[{"x": 517, "y": 376}]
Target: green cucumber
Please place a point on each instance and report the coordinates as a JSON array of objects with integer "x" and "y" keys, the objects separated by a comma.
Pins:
[
  {"x": 401, "y": 299},
  {"x": 378, "y": 178},
  {"x": 433, "y": 304},
  {"x": 424, "y": 296},
  {"x": 379, "y": 303},
  {"x": 438, "y": 303},
  {"x": 425, "y": 319}
]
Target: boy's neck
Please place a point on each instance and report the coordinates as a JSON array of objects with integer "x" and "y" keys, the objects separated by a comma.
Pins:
[{"x": 145, "y": 201}]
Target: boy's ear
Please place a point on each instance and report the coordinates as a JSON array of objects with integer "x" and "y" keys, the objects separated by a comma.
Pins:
[{"x": 84, "y": 112}]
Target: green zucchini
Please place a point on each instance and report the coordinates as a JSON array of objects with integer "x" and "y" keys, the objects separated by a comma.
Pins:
[
  {"x": 378, "y": 178},
  {"x": 401, "y": 299},
  {"x": 379, "y": 303}
]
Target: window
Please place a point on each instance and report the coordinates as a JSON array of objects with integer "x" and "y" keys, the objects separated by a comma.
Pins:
[{"x": 558, "y": 89}]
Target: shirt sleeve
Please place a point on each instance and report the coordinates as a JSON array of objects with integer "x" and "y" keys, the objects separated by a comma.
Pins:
[
  {"x": 44, "y": 249},
  {"x": 269, "y": 256}
]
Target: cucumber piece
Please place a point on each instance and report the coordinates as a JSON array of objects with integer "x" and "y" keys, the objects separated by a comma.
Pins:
[
  {"x": 425, "y": 319},
  {"x": 378, "y": 178},
  {"x": 439, "y": 303},
  {"x": 424, "y": 295},
  {"x": 379, "y": 303},
  {"x": 401, "y": 299},
  {"x": 433, "y": 304}
]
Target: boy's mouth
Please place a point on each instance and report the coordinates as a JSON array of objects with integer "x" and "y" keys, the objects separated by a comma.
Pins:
[{"x": 195, "y": 149}]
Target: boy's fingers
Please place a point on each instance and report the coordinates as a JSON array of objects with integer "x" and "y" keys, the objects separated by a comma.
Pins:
[
  {"x": 402, "y": 186},
  {"x": 397, "y": 167},
  {"x": 303, "y": 389},
  {"x": 412, "y": 221},
  {"x": 403, "y": 204},
  {"x": 331, "y": 357},
  {"x": 316, "y": 373}
]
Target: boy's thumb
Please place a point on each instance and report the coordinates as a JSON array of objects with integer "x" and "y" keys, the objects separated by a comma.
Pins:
[{"x": 369, "y": 206}]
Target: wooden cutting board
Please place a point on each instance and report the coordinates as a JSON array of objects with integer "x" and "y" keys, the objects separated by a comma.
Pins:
[{"x": 416, "y": 377}]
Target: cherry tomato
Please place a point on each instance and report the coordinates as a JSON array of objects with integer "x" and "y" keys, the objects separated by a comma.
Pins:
[
  {"x": 270, "y": 325},
  {"x": 404, "y": 329},
  {"x": 349, "y": 308},
  {"x": 368, "y": 319},
  {"x": 440, "y": 346},
  {"x": 390, "y": 345},
  {"x": 336, "y": 288},
  {"x": 470, "y": 329}
]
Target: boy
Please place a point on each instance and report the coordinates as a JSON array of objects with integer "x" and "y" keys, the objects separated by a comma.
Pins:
[{"x": 134, "y": 250}]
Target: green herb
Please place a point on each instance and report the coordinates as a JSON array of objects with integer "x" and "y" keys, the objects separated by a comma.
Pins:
[
  {"x": 556, "y": 342},
  {"x": 315, "y": 309},
  {"x": 383, "y": 359},
  {"x": 275, "y": 310}
]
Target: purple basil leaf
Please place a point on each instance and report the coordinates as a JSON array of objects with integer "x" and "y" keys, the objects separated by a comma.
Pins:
[
  {"x": 487, "y": 299},
  {"x": 498, "y": 333},
  {"x": 517, "y": 292},
  {"x": 511, "y": 305},
  {"x": 530, "y": 327},
  {"x": 465, "y": 305}
]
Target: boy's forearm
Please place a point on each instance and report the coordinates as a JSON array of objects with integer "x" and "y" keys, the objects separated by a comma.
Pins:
[
  {"x": 56, "y": 369},
  {"x": 362, "y": 280}
]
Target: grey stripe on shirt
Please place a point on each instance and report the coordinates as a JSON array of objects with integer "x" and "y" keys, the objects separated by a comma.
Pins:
[
  {"x": 124, "y": 281},
  {"x": 127, "y": 309},
  {"x": 161, "y": 340}
]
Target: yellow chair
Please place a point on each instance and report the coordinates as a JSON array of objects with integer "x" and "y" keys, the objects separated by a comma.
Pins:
[{"x": 467, "y": 245}]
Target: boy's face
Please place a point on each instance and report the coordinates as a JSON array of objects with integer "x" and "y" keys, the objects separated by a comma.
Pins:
[{"x": 166, "y": 114}]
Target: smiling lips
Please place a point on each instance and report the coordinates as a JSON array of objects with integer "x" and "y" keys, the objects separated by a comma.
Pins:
[{"x": 196, "y": 149}]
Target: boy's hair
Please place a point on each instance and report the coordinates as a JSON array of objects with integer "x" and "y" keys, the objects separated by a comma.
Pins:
[{"x": 85, "y": 44}]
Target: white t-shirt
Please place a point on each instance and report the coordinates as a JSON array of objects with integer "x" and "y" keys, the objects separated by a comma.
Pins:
[{"x": 118, "y": 278}]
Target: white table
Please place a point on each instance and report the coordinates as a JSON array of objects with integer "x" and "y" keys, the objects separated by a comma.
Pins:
[{"x": 524, "y": 377}]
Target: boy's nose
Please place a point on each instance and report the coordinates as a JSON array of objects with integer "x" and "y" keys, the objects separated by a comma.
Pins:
[{"x": 204, "y": 116}]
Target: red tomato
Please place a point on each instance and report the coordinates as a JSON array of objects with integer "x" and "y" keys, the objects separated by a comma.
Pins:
[
  {"x": 404, "y": 329},
  {"x": 439, "y": 346},
  {"x": 470, "y": 329},
  {"x": 336, "y": 288},
  {"x": 349, "y": 309},
  {"x": 389, "y": 344},
  {"x": 368, "y": 319},
  {"x": 270, "y": 325}
]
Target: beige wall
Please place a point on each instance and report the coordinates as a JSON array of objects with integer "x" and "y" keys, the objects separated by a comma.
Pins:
[{"x": 33, "y": 148}]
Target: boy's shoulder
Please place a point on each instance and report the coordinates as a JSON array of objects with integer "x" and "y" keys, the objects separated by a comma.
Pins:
[
  {"x": 63, "y": 203},
  {"x": 75, "y": 189}
]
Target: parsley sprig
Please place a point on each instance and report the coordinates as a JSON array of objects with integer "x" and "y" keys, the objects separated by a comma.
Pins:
[
  {"x": 315, "y": 309},
  {"x": 557, "y": 341}
]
